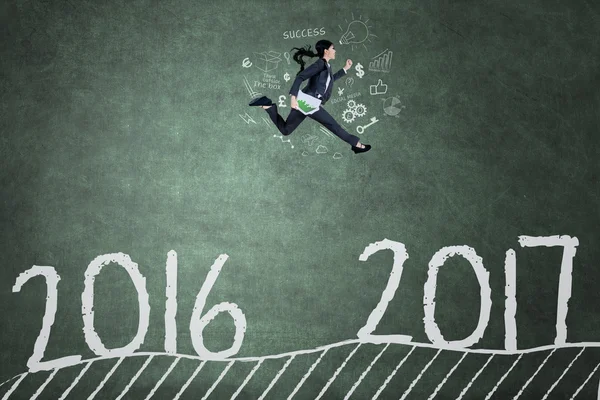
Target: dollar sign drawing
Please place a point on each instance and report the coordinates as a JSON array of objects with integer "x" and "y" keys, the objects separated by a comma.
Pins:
[
  {"x": 359, "y": 70},
  {"x": 282, "y": 101},
  {"x": 286, "y": 77}
]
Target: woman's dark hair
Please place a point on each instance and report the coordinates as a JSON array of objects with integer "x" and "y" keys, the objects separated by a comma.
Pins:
[{"x": 320, "y": 47}]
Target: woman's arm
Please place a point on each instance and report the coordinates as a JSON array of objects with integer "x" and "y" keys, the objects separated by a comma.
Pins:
[
  {"x": 343, "y": 71},
  {"x": 339, "y": 74},
  {"x": 312, "y": 70}
]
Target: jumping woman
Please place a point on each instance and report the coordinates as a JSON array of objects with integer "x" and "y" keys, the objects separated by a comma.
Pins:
[{"x": 320, "y": 85}]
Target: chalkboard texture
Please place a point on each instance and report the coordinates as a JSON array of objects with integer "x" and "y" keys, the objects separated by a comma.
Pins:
[{"x": 171, "y": 243}]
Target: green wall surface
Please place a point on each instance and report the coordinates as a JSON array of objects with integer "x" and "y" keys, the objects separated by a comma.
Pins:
[{"x": 134, "y": 171}]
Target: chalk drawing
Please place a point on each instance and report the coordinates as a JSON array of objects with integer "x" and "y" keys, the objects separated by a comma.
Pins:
[
  {"x": 267, "y": 122},
  {"x": 309, "y": 139},
  {"x": 321, "y": 149},
  {"x": 379, "y": 88},
  {"x": 353, "y": 111},
  {"x": 356, "y": 33},
  {"x": 251, "y": 91},
  {"x": 268, "y": 60},
  {"x": 284, "y": 140},
  {"x": 247, "y": 118},
  {"x": 282, "y": 101},
  {"x": 326, "y": 131},
  {"x": 361, "y": 128},
  {"x": 359, "y": 70},
  {"x": 360, "y": 110},
  {"x": 392, "y": 106},
  {"x": 382, "y": 62},
  {"x": 356, "y": 348},
  {"x": 348, "y": 116}
]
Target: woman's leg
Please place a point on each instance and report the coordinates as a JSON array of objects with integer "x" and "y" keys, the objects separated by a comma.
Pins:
[
  {"x": 294, "y": 119},
  {"x": 323, "y": 117}
]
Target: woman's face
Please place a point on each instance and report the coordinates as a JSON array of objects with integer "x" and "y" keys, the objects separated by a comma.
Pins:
[{"x": 330, "y": 52}]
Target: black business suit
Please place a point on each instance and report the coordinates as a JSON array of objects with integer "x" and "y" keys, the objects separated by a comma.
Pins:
[{"x": 316, "y": 74}]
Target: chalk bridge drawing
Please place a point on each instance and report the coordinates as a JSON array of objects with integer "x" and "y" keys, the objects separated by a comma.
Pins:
[{"x": 365, "y": 342}]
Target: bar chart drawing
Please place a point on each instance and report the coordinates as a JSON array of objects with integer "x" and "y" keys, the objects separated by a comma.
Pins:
[{"x": 381, "y": 62}]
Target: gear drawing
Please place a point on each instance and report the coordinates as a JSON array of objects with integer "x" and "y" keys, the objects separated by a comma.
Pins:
[
  {"x": 351, "y": 104},
  {"x": 360, "y": 110},
  {"x": 348, "y": 116}
]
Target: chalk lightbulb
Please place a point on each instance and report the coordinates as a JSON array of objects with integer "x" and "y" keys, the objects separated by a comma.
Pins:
[{"x": 357, "y": 32}]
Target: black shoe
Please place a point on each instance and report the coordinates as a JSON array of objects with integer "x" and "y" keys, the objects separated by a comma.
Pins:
[
  {"x": 357, "y": 150},
  {"x": 261, "y": 101}
]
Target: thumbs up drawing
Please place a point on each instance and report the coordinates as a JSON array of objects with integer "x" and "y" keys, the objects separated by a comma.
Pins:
[{"x": 380, "y": 88}]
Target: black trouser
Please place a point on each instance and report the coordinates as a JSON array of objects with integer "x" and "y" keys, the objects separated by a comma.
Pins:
[{"x": 295, "y": 117}]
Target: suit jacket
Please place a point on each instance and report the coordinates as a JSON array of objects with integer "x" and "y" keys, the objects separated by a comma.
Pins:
[{"x": 316, "y": 73}]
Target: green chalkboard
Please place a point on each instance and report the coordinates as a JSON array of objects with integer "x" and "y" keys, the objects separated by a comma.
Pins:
[{"x": 163, "y": 239}]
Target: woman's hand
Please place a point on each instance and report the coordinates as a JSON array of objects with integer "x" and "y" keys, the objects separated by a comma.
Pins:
[
  {"x": 294, "y": 103},
  {"x": 348, "y": 64}
]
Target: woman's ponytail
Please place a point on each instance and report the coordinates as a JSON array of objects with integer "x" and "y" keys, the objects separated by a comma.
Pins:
[{"x": 302, "y": 51}]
